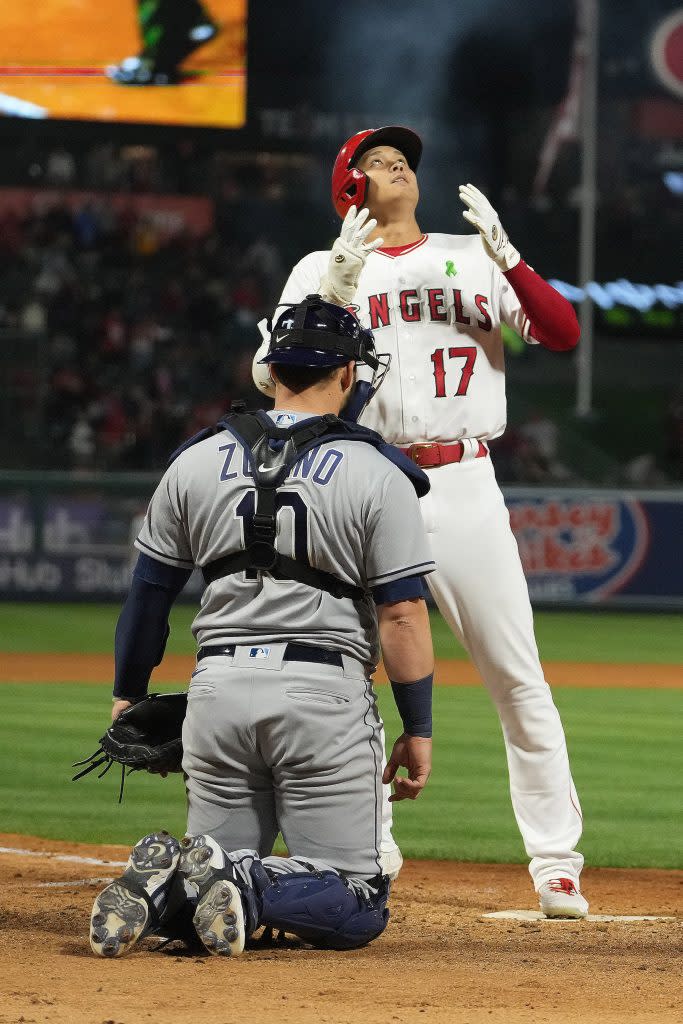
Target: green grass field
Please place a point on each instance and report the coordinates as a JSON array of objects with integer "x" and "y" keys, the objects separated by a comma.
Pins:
[{"x": 625, "y": 747}]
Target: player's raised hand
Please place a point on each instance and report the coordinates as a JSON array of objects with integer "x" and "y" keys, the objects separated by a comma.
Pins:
[
  {"x": 415, "y": 754},
  {"x": 481, "y": 214},
  {"x": 348, "y": 257}
]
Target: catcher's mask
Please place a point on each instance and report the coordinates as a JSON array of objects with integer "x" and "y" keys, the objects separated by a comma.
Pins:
[
  {"x": 349, "y": 183},
  {"x": 319, "y": 334}
]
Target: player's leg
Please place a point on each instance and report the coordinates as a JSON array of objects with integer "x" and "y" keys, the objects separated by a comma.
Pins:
[
  {"x": 170, "y": 30},
  {"x": 136, "y": 904},
  {"x": 236, "y": 893},
  {"x": 230, "y": 804},
  {"x": 325, "y": 750},
  {"x": 481, "y": 591},
  {"x": 220, "y": 889},
  {"x": 229, "y": 787},
  {"x": 318, "y": 729}
]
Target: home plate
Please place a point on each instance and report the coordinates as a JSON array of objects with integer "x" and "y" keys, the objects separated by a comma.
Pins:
[{"x": 537, "y": 915}]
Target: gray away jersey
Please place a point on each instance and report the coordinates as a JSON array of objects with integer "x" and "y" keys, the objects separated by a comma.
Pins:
[{"x": 343, "y": 505}]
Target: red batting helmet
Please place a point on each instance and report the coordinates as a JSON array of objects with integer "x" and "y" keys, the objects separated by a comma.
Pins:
[{"x": 349, "y": 185}]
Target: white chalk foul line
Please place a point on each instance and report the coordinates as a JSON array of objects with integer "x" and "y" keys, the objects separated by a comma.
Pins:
[
  {"x": 70, "y": 857},
  {"x": 537, "y": 915},
  {"x": 77, "y": 882}
]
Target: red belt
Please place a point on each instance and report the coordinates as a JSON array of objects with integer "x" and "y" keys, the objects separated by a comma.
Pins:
[{"x": 428, "y": 454}]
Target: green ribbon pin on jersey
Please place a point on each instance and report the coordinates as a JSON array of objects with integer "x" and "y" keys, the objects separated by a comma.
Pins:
[{"x": 450, "y": 268}]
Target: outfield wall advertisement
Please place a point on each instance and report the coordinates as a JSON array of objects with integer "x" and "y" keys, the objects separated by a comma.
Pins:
[
  {"x": 71, "y": 539},
  {"x": 619, "y": 548}
]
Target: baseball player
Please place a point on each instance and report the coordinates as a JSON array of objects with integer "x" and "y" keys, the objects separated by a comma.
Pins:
[
  {"x": 309, "y": 535},
  {"x": 436, "y": 303},
  {"x": 170, "y": 30}
]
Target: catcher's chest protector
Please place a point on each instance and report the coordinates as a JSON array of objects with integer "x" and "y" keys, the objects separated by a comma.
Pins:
[{"x": 272, "y": 452}]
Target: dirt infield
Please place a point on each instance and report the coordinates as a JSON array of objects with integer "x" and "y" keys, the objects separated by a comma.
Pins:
[
  {"x": 175, "y": 668},
  {"x": 438, "y": 961}
]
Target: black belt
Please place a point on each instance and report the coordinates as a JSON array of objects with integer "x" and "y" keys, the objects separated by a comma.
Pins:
[{"x": 293, "y": 652}]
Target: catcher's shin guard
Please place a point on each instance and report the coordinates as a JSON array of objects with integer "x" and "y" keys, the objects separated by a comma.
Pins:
[
  {"x": 320, "y": 907},
  {"x": 130, "y": 907}
]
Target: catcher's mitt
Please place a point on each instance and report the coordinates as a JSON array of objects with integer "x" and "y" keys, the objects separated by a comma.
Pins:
[{"x": 146, "y": 736}]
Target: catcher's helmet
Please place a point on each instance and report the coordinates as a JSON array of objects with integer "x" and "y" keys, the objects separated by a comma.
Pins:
[
  {"x": 349, "y": 185},
  {"x": 318, "y": 333}
]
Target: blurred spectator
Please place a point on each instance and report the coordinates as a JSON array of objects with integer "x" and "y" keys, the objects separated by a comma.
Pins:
[
  {"x": 543, "y": 435},
  {"x": 529, "y": 465},
  {"x": 60, "y": 168},
  {"x": 642, "y": 471},
  {"x": 81, "y": 444}
]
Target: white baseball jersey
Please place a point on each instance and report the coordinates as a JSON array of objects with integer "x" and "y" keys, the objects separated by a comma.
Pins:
[
  {"x": 344, "y": 506},
  {"x": 437, "y": 307}
]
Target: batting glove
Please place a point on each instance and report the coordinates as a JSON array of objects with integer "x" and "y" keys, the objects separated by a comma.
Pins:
[
  {"x": 260, "y": 372},
  {"x": 481, "y": 214},
  {"x": 348, "y": 257}
]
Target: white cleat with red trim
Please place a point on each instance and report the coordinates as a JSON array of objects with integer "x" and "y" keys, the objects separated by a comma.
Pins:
[{"x": 561, "y": 897}]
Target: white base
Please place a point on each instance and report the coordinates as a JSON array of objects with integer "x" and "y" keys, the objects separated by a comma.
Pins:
[{"x": 537, "y": 915}]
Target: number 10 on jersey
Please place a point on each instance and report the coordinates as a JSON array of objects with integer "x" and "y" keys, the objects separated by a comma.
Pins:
[{"x": 468, "y": 353}]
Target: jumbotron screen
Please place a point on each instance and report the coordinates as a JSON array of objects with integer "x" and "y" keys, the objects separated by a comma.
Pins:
[{"x": 153, "y": 61}]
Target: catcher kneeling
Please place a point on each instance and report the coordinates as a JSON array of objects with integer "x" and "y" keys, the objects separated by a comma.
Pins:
[{"x": 308, "y": 533}]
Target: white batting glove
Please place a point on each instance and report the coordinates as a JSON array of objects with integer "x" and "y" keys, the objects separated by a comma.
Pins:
[
  {"x": 348, "y": 257},
  {"x": 260, "y": 372},
  {"x": 481, "y": 214}
]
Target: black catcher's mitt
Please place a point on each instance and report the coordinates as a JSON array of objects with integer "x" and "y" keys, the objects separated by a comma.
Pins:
[{"x": 146, "y": 736}]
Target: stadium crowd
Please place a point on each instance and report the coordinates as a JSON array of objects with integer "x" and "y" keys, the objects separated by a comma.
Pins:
[{"x": 139, "y": 337}]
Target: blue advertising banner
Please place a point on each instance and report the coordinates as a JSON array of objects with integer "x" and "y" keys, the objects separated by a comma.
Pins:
[
  {"x": 619, "y": 548},
  {"x": 63, "y": 538}
]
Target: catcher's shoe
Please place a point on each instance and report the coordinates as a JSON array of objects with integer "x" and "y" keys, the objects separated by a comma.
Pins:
[
  {"x": 129, "y": 908},
  {"x": 560, "y": 897},
  {"x": 220, "y": 919}
]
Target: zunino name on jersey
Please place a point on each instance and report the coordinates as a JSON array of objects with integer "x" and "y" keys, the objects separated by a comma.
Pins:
[{"x": 319, "y": 464}]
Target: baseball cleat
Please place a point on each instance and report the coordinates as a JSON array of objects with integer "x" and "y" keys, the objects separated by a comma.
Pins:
[
  {"x": 126, "y": 910},
  {"x": 219, "y": 919},
  {"x": 560, "y": 897}
]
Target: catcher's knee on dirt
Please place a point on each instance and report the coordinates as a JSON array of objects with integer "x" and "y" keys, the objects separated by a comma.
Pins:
[{"x": 321, "y": 908}]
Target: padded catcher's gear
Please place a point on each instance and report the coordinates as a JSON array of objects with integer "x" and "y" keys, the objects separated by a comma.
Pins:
[
  {"x": 318, "y": 333},
  {"x": 315, "y": 332},
  {"x": 320, "y": 907},
  {"x": 146, "y": 736}
]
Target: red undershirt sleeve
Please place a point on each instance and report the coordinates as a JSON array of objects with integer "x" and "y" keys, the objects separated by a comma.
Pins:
[{"x": 552, "y": 318}]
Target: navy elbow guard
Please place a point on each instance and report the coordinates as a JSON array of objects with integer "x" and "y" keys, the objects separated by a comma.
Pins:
[{"x": 414, "y": 703}]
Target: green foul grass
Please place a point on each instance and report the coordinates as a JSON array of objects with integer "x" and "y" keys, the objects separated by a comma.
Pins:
[
  {"x": 562, "y": 636},
  {"x": 625, "y": 748}
]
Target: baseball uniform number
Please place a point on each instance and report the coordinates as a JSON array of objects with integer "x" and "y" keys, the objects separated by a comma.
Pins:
[
  {"x": 468, "y": 353},
  {"x": 247, "y": 507}
]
